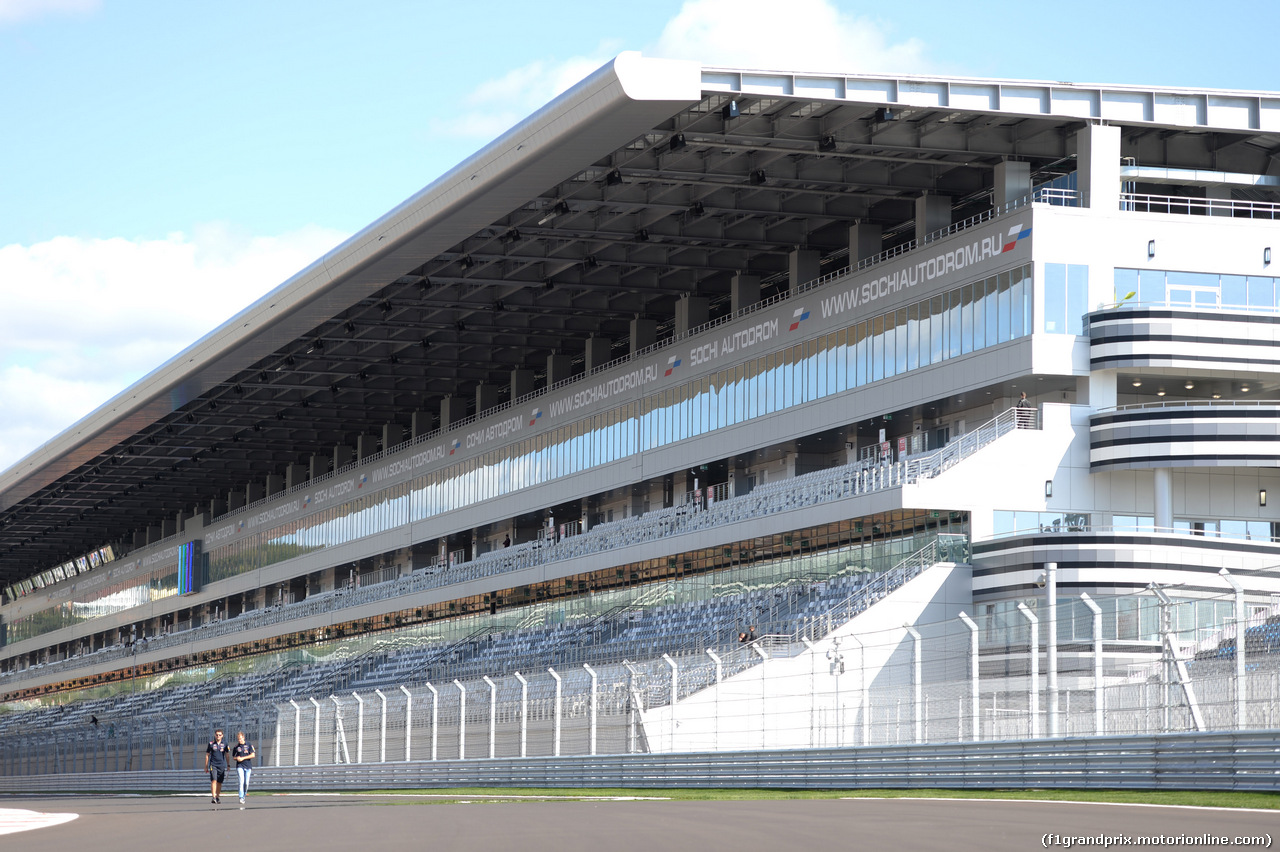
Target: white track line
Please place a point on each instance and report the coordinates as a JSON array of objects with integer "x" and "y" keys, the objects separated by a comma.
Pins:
[{"x": 13, "y": 820}]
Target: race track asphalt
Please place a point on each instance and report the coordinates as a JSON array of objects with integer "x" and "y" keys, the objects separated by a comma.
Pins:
[{"x": 292, "y": 822}]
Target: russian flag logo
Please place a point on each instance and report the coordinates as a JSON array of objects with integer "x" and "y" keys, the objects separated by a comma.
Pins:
[
  {"x": 798, "y": 317},
  {"x": 363, "y": 480},
  {"x": 537, "y": 412},
  {"x": 306, "y": 501},
  {"x": 672, "y": 363},
  {"x": 454, "y": 446},
  {"x": 1015, "y": 233}
]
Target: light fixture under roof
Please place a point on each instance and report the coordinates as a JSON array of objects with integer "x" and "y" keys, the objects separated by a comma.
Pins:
[
  {"x": 1189, "y": 384},
  {"x": 1160, "y": 392},
  {"x": 1244, "y": 389},
  {"x": 1137, "y": 383}
]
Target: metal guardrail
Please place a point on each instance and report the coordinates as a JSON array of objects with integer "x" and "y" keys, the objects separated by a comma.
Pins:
[{"x": 1215, "y": 761}]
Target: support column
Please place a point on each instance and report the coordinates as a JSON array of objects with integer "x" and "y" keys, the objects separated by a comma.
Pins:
[
  {"x": 644, "y": 333},
  {"x": 294, "y": 475},
  {"x": 274, "y": 484},
  {"x": 318, "y": 466},
  {"x": 691, "y": 312},
  {"x": 559, "y": 368},
  {"x": 452, "y": 409},
  {"x": 421, "y": 422},
  {"x": 865, "y": 241},
  {"x": 1012, "y": 183},
  {"x": 1163, "y": 498},
  {"x": 522, "y": 382},
  {"x": 253, "y": 492},
  {"x": 744, "y": 291},
  {"x": 392, "y": 435},
  {"x": 486, "y": 397},
  {"x": 235, "y": 500},
  {"x": 366, "y": 445},
  {"x": 342, "y": 456},
  {"x": 933, "y": 213},
  {"x": 1102, "y": 389},
  {"x": 1220, "y": 194},
  {"x": 597, "y": 353},
  {"x": 803, "y": 265},
  {"x": 1098, "y": 166},
  {"x": 217, "y": 507}
]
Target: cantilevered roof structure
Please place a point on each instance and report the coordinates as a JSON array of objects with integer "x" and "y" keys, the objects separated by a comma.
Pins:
[{"x": 648, "y": 181}]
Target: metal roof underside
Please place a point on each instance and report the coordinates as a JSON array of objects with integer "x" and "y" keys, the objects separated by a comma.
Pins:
[{"x": 637, "y": 186}]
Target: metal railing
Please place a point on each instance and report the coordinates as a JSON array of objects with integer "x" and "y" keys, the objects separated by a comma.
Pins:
[{"x": 1141, "y": 203}]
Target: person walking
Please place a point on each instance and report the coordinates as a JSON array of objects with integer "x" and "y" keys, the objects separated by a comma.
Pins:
[
  {"x": 215, "y": 763},
  {"x": 243, "y": 754}
]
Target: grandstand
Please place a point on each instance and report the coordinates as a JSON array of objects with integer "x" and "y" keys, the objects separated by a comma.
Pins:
[{"x": 686, "y": 416}]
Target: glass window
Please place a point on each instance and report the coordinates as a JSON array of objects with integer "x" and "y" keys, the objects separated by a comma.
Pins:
[
  {"x": 1151, "y": 290},
  {"x": 1126, "y": 282},
  {"x": 1077, "y": 297},
  {"x": 1055, "y": 298},
  {"x": 1003, "y": 296},
  {"x": 1234, "y": 291},
  {"x": 913, "y": 336},
  {"x": 877, "y": 349},
  {"x": 900, "y": 346},
  {"x": 992, "y": 321},
  {"x": 953, "y": 323},
  {"x": 966, "y": 318},
  {"x": 936, "y": 318},
  {"x": 1261, "y": 292},
  {"x": 1019, "y": 290}
]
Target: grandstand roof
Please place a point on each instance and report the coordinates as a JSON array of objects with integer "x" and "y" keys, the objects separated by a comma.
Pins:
[{"x": 648, "y": 180}]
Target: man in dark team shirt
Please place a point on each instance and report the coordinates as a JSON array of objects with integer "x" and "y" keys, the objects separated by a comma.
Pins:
[{"x": 215, "y": 763}]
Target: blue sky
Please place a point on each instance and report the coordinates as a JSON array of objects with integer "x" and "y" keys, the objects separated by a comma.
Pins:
[{"x": 163, "y": 164}]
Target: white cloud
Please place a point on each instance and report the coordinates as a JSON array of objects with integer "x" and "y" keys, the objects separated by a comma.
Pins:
[
  {"x": 498, "y": 105},
  {"x": 83, "y": 319},
  {"x": 13, "y": 11},
  {"x": 798, "y": 35}
]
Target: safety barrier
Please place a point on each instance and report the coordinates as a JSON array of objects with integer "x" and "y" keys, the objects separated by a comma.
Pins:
[{"x": 1222, "y": 761}]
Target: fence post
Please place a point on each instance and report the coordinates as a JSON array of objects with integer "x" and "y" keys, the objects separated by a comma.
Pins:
[
  {"x": 1051, "y": 644},
  {"x": 764, "y": 694},
  {"x": 462, "y": 719},
  {"x": 916, "y": 686},
  {"x": 297, "y": 733},
  {"x": 382, "y": 745},
  {"x": 316, "y": 739},
  {"x": 1033, "y": 687},
  {"x": 524, "y": 712},
  {"x": 675, "y": 683},
  {"x": 435, "y": 717},
  {"x": 408, "y": 720},
  {"x": 973, "y": 675},
  {"x": 1241, "y": 626},
  {"x": 592, "y": 672},
  {"x": 359, "y": 727},
  {"x": 555, "y": 749},
  {"x": 493, "y": 715},
  {"x": 338, "y": 730},
  {"x": 1099, "y": 717}
]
